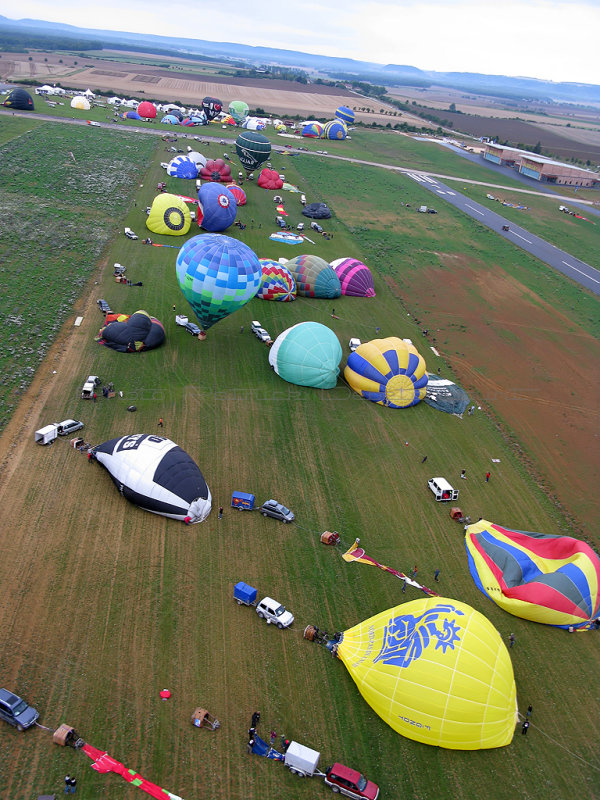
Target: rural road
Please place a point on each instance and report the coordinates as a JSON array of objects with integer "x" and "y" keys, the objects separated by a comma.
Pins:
[
  {"x": 580, "y": 272},
  {"x": 575, "y": 269}
]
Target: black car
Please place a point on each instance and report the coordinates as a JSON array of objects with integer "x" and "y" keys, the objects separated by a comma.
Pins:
[
  {"x": 103, "y": 306},
  {"x": 192, "y": 328},
  {"x": 16, "y": 711},
  {"x": 431, "y": 211}
]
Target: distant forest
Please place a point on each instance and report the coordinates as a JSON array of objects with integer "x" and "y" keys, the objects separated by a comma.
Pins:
[{"x": 22, "y": 42}]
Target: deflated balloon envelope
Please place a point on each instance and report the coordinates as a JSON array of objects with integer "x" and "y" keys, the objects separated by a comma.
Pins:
[
  {"x": 157, "y": 475},
  {"x": 314, "y": 277},
  {"x": 307, "y": 354},
  {"x": 276, "y": 283},
  {"x": 182, "y": 167},
  {"x": 436, "y": 671},
  {"x": 389, "y": 372},
  {"x": 540, "y": 577},
  {"x": 131, "y": 334},
  {"x": 355, "y": 277},
  {"x": 217, "y": 275},
  {"x": 217, "y": 207},
  {"x": 169, "y": 214}
]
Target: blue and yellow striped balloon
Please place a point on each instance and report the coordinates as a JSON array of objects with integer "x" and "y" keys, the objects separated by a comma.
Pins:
[{"x": 389, "y": 371}]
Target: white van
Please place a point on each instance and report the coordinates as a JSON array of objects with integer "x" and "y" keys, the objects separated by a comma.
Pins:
[{"x": 442, "y": 490}]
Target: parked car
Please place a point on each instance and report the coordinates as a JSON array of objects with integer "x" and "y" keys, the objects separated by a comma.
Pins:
[
  {"x": 274, "y": 612},
  {"x": 431, "y": 211},
  {"x": 103, "y": 305},
  {"x": 353, "y": 344},
  {"x": 316, "y": 227},
  {"x": 192, "y": 328},
  {"x": 16, "y": 711},
  {"x": 350, "y": 783},
  {"x": 271, "y": 508},
  {"x": 254, "y": 325},
  {"x": 130, "y": 234},
  {"x": 68, "y": 426}
]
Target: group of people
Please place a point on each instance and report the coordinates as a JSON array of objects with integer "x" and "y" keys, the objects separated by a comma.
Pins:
[{"x": 285, "y": 743}]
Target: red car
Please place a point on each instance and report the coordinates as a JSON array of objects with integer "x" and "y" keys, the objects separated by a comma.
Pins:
[{"x": 350, "y": 783}]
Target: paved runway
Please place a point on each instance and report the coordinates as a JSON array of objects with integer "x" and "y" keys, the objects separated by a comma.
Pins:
[{"x": 575, "y": 269}]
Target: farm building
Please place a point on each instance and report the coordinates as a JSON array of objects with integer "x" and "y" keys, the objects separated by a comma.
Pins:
[{"x": 540, "y": 168}]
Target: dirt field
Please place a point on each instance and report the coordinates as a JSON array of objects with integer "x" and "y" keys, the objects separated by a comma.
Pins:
[
  {"x": 512, "y": 355},
  {"x": 275, "y": 97}
]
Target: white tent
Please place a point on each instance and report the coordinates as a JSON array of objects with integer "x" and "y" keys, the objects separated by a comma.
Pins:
[{"x": 89, "y": 94}]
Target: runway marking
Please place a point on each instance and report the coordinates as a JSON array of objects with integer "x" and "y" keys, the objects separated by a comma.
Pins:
[
  {"x": 521, "y": 237},
  {"x": 581, "y": 272},
  {"x": 439, "y": 191},
  {"x": 452, "y": 194},
  {"x": 476, "y": 210}
]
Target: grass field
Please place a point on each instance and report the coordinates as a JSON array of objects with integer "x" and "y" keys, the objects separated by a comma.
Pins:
[{"x": 102, "y": 605}]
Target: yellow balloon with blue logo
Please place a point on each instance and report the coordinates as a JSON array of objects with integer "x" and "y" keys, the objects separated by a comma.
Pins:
[
  {"x": 437, "y": 671},
  {"x": 390, "y": 372}
]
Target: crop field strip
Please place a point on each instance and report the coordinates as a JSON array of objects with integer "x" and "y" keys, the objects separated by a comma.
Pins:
[{"x": 107, "y": 604}]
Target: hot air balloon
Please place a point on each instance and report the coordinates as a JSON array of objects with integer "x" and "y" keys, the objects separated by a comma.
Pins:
[
  {"x": 176, "y": 112},
  {"x": 216, "y": 207},
  {"x": 217, "y": 275},
  {"x": 389, "y": 372},
  {"x": 81, "y": 102},
  {"x": 212, "y": 107},
  {"x": 355, "y": 277},
  {"x": 169, "y": 119},
  {"x": 130, "y": 115},
  {"x": 345, "y": 114},
  {"x": 146, "y": 109},
  {"x": 131, "y": 333},
  {"x": 307, "y": 354},
  {"x": 276, "y": 283},
  {"x": 313, "y": 130},
  {"x": 238, "y": 110},
  {"x": 238, "y": 193},
  {"x": 540, "y": 577},
  {"x": 269, "y": 179},
  {"x": 182, "y": 167},
  {"x": 314, "y": 277},
  {"x": 215, "y": 170},
  {"x": 157, "y": 475},
  {"x": 334, "y": 130},
  {"x": 253, "y": 149},
  {"x": 198, "y": 159},
  {"x": 20, "y": 100},
  {"x": 436, "y": 671},
  {"x": 169, "y": 214},
  {"x": 316, "y": 211}
]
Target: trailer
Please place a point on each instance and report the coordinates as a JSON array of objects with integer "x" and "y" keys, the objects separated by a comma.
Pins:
[
  {"x": 244, "y": 594},
  {"x": 242, "y": 500},
  {"x": 46, "y": 435},
  {"x": 301, "y": 760}
]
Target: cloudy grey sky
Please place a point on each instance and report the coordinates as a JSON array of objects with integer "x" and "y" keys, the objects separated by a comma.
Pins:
[{"x": 550, "y": 39}]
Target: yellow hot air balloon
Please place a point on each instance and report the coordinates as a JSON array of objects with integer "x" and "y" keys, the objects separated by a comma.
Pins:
[
  {"x": 389, "y": 371},
  {"x": 169, "y": 215},
  {"x": 437, "y": 671}
]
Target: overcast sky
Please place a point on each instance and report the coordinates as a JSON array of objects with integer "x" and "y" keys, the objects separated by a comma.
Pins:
[{"x": 551, "y": 39}]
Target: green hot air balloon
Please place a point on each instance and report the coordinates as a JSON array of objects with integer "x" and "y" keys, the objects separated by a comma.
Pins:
[
  {"x": 238, "y": 110},
  {"x": 253, "y": 149},
  {"x": 307, "y": 354}
]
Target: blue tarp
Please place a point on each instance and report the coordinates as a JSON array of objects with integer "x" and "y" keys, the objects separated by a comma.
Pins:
[
  {"x": 261, "y": 748},
  {"x": 244, "y": 593}
]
